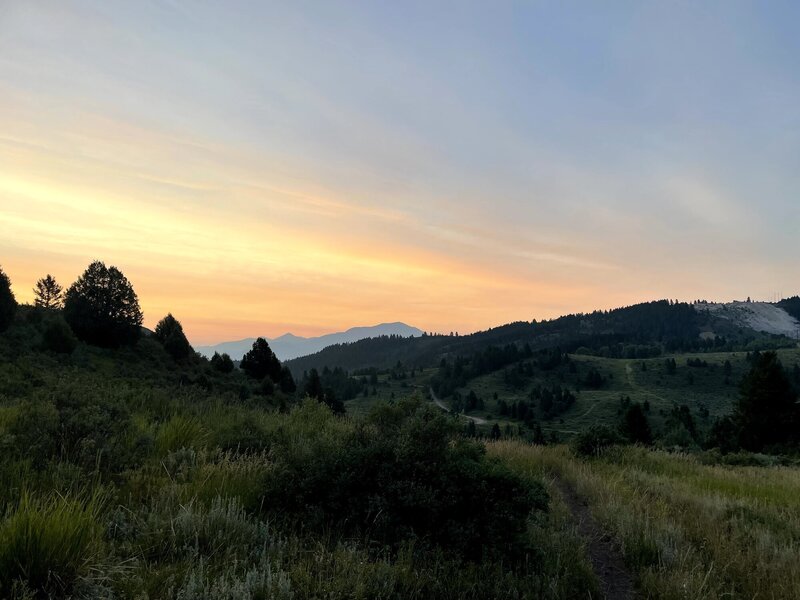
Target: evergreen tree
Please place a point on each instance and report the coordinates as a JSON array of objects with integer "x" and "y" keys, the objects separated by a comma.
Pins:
[
  {"x": 222, "y": 362},
  {"x": 767, "y": 409},
  {"x": 48, "y": 293},
  {"x": 169, "y": 332},
  {"x": 495, "y": 433},
  {"x": 8, "y": 304},
  {"x": 287, "y": 383},
  {"x": 261, "y": 362},
  {"x": 635, "y": 426},
  {"x": 313, "y": 385},
  {"x": 102, "y": 307}
]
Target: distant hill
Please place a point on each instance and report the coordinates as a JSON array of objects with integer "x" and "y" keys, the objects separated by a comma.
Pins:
[
  {"x": 290, "y": 346},
  {"x": 640, "y": 330}
]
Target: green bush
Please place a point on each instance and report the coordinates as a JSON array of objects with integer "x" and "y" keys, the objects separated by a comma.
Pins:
[
  {"x": 80, "y": 424},
  {"x": 595, "y": 440},
  {"x": 404, "y": 475},
  {"x": 58, "y": 337}
]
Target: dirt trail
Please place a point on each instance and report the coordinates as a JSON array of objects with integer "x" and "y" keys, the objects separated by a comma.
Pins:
[
  {"x": 445, "y": 408},
  {"x": 636, "y": 387},
  {"x": 616, "y": 582}
]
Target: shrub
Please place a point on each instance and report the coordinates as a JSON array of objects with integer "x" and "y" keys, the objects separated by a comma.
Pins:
[
  {"x": 263, "y": 581},
  {"x": 595, "y": 440},
  {"x": 80, "y": 424},
  {"x": 35, "y": 429},
  {"x": 58, "y": 337},
  {"x": 405, "y": 475},
  {"x": 50, "y": 544}
]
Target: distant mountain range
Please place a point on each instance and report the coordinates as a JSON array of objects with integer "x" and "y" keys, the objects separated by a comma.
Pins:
[{"x": 289, "y": 346}]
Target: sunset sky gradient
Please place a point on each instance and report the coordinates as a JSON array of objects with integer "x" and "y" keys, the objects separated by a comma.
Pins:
[{"x": 257, "y": 168}]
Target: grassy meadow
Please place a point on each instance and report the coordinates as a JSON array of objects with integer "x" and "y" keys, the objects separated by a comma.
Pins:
[
  {"x": 709, "y": 391},
  {"x": 687, "y": 530}
]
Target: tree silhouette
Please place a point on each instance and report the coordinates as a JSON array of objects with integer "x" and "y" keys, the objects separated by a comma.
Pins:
[
  {"x": 635, "y": 426},
  {"x": 287, "y": 383},
  {"x": 222, "y": 362},
  {"x": 8, "y": 304},
  {"x": 767, "y": 409},
  {"x": 102, "y": 308},
  {"x": 169, "y": 332},
  {"x": 313, "y": 387},
  {"x": 261, "y": 362},
  {"x": 48, "y": 293}
]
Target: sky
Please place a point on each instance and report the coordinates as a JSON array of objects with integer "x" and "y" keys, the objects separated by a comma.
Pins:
[{"x": 257, "y": 168}]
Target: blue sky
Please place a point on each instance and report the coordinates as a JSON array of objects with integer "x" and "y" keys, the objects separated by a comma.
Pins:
[{"x": 311, "y": 166}]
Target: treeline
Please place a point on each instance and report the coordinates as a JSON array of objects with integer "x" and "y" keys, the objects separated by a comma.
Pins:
[
  {"x": 765, "y": 418},
  {"x": 101, "y": 309},
  {"x": 456, "y": 373},
  {"x": 640, "y": 331},
  {"x": 791, "y": 306}
]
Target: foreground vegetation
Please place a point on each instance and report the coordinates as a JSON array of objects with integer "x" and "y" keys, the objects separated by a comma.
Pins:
[
  {"x": 131, "y": 467},
  {"x": 687, "y": 525}
]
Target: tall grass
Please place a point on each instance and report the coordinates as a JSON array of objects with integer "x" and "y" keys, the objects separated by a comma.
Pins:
[
  {"x": 687, "y": 530},
  {"x": 51, "y": 543}
]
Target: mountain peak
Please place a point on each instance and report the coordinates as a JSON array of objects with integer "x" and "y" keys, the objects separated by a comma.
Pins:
[{"x": 289, "y": 345}]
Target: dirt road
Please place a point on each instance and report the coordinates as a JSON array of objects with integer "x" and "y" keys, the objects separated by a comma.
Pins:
[{"x": 445, "y": 408}]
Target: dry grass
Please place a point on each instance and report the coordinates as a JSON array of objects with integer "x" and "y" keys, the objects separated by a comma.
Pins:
[{"x": 687, "y": 530}]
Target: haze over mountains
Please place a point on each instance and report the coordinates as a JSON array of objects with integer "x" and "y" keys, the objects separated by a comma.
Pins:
[{"x": 289, "y": 346}]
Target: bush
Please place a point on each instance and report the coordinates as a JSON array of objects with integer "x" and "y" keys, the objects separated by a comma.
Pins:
[
  {"x": 80, "y": 424},
  {"x": 35, "y": 429},
  {"x": 51, "y": 544},
  {"x": 58, "y": 337},
  {"x": 404, "y": 475},
  {"x": 595, "y": 440}
]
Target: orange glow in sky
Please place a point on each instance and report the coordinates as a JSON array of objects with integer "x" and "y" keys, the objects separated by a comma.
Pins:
[{"x": 270, "y": 170}]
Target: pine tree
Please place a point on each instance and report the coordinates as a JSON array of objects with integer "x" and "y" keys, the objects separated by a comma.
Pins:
[
  {"x": 102, "y": 308},
  {"x": 261, "y": 362},
  {"x": 48, "y": 293},
  {"x": 169, "y": 332},
  {"x": 222, "y": 362},
  {"x": 635, "y": 426},
  {"x": 8, "y": 304},
  {"x": 767, "y": 409}
]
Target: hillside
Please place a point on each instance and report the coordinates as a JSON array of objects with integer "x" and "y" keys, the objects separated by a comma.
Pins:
[
  {"x": 632, "y": 331},
  {"x": 129, "y": 474},
  {"x": 289, "y": 346},
  {"x": 758, "y": 316}
]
